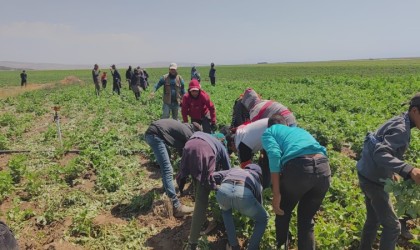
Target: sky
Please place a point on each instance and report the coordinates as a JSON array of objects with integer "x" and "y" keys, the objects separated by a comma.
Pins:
[{"x": 223, "y": 32}]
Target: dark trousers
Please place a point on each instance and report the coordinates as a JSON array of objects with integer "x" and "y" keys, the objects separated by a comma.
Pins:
[
  {"x": 379, "y": 211},
  {"x": 304, "y": 181},
  {"x": 205, "y": 122},
  {"x": 116, "y": 87},
  {"x": 213, "y": 81}
]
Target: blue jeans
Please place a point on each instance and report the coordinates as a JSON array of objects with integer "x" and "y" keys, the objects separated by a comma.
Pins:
[
  {"x": 231, "y": 196},
  {"x": 162, "y": 157},
  {"x": 170, "y": 108},
  {"x": 379, "y": 212}
]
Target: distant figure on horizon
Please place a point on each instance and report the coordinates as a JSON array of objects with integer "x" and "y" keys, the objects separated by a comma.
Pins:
[
  {"x": 104, "y": 80},
  {"x": 116, "y": 79},
  {"x": 95, "y": 76},
  {"x": 128, "y": 75},
  {"x": 212, "y": 74},
  {"x": 195, "y": 74},
  {"x": 23, "y": 78}
]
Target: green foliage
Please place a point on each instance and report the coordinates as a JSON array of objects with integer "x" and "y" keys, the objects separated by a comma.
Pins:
[
  {"x": 338, "y": 102},
  {"x": 17, "y": 166},
  {"x": 407, "y": 195},
  {"x": 82, "y": 224},
  {"x": 6, "y": 184},
  {"x": 110, "y": 179},
  {"x": 3, "y": 142}
]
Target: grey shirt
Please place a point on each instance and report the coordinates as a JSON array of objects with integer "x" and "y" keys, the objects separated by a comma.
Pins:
[{"x": 384, "y": 149}]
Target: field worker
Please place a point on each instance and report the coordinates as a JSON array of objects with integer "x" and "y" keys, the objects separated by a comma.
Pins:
[
  {"x": 116, "y": 79},
  {"x": 241, "y": 189},
  {"x": 246, "y": 142},
  {"x": 95, "y": 76},
  {"x": 171, "y": 133},
  {"x": 104, "y": 80},
  {"x": 172, "y": 92},
  {"x": 240, "y": 114},
  {"x": 382, "y": 157},
  {"x": 259, "y": 108},
  {"x": 136, "y": 83},
  {"x": 144, "y": 83},
  {"x": 23, "y": 78},
  {"x": 203, "y": 155},
  {"x": 146, "y": 77},
  {"x": 7, "y": 239},
  {"x": 212, "y": 75},
  {"x": 195, "y": 74},
  {"x": 197, "y": 105},
  {"x": 300, "y": 173},
  {"x": 128, "y": 74}
]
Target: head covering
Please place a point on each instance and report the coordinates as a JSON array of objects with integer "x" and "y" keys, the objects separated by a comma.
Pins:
[
  {"x": 220, "y": 137},
  {"x": 194, "y": 85},
  {"x": 193, "y": 68},
  {"x": 113, "y": 66},
  {"x": 173, "y": 66},
  {"x": 415, "y": 100},
  {"x": 250, "y": 98},
  {"x": 212, "y": 64}
]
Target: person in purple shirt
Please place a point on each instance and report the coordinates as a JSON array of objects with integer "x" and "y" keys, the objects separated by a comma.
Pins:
[
  {"x": 203, "y": 154},
  {"x": 241, "y": 189}
]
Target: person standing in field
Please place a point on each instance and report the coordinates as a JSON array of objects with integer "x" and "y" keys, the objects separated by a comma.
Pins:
[
  {"x": 128, "y": 74},
  {"x": 23, "y": 78},
  {"x": 135, "y": 82},
  {"x": 259, "y": 108},
  {"x": 195, "y": 74},
  {"x": 95, "y": 76},
  {"x": 241, "y": 189},
  {"x": 161, "y": 134},
  {"x": 104, "y": 80},
  {"x": 212, "y": 74},
  {"x": 300, "y": 175},
  {"x": 382, "y": 158},
  {"x": 197, "y": 105},
  {"x": 203, "y": 155},
  {"x": 146, "y": 77},
  {"x": 116, "y": 79},
  {"x": 172, "y": 92}
]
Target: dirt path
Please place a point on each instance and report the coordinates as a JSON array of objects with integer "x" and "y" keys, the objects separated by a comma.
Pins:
[{"x": 17, "y": 90}]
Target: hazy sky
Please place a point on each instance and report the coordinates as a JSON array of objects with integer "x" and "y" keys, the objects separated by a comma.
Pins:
[{"x": 224, "y": 32}]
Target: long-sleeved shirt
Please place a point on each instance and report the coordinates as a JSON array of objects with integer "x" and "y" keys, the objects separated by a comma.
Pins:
[
  {"x": 201, "y": 172},
  {"x": 173, "y": 132},
  {"x": 245, "y": 175},
  {"x": 383, "y": 150},
  {"x": 250, "y": 134},
  {"x": 172, "y": 82},
  {"x": 198, "y": 107},
  {"x": 283, "y": 143}
]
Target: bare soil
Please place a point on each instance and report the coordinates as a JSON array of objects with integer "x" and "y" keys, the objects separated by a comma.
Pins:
[{"x": 17, "y": 90}]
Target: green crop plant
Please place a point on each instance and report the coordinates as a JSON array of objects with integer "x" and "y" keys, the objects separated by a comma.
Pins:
[
  {"x": 6, "y": 184},
  {"x": 17, "y": 166}
]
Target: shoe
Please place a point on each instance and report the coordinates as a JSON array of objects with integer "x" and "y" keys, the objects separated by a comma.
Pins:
[
  {"x": 406, "y": 234},
  {"x": 229, "y": 247},
  {"x": 182, "y": 211},
  {"x": 210, "y": 226},
  {"x": 191, "y": 246}
]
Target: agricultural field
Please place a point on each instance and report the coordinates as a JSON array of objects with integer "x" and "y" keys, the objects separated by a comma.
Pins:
[{"x": 101, "y": 189}]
